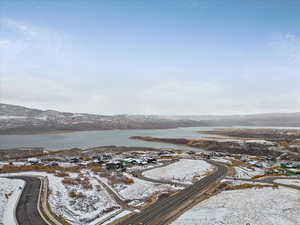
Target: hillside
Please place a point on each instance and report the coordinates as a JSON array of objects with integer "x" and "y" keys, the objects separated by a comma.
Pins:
[
  {"x": 18, "y": 119},
  {"x": 267, "y": 119}
]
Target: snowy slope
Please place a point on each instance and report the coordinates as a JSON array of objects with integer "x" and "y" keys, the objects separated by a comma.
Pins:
[
  {"x": 9, "y": 194},
  {"x": 247, "y": 173},
  {"x": 288, "y": 181},
  {"x": 138, "y": 192},
  {"x": 77, "y": 211},
  {"x": 265, "y": 206},
  {"x": 182, "y": 171}
]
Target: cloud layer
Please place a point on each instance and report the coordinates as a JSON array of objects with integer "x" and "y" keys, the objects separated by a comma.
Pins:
[{"x": 44, "y": 68}]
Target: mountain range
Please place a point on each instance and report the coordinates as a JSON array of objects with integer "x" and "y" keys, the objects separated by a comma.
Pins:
[{"x": 18, "y": 119}]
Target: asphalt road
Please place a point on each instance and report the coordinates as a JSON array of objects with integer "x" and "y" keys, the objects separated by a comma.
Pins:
[
  {"x": 139, "y": 174},
  {"x": 156, "y": 213},
  {"x": 270, "y": 180},
  {"x": 26, "y": 211}
]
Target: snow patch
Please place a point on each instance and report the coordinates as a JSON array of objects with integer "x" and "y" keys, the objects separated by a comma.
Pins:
[
  {"x": 182, "y": 172},
  {"x": 9, "y": 195},
  {"x": 265, "y": 206},
  {"x": 288, "y": 182}
]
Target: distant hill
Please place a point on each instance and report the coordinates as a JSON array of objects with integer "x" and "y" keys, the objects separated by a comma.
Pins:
[
  {"x": 267, "y": 119},
  {"x": 18, "y": 119}
]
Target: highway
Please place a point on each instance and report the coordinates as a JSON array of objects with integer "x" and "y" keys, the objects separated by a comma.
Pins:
[
  {"x": 26, "y": 211},
  {"x": 157, "y": 212}
]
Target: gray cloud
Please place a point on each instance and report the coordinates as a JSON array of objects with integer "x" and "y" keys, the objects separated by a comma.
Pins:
[{"x": 38, "y": 70}]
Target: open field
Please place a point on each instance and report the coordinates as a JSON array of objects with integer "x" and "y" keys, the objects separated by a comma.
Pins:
[
  {"x": 265, "y": 206},
  {"x": 10, "y": 190},
  {"x": 184, "y": 171}
]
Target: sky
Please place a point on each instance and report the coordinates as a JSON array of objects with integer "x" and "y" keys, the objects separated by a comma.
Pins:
[{"x": 171, "y": 57}]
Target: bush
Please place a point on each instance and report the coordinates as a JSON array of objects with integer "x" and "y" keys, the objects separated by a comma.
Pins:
[
  {"x": 73, "y": 194},
  {"x": 96, "y": 169},
  {"x": 69, "y": 181},
  {"x": 127, "y": 180},
  {"x": 72, "y": 169},
  {"x": 104, "y": 174},
  {"x": 121, "y": 179},
  {"x": 98, "y": 187},
  {"x": 40, "y": 168},
  {"x": 61, "y": 174},
  {"x": 86, "y": 184},
  {"x": 247, "y": 186}
]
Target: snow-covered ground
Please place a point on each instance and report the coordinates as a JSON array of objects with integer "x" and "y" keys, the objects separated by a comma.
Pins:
[
  {"x": 288, "y": 181},
  {"x": 265, "y": 206},
  {"x": 262, "y": 142},
  {"x": 182, "y": 172},
  {"x": 122, "y": 214},
  {"x": 77, "y": 210},
  {"x": 140, "y": 190},
  {"x": 244, "y": 172},
  {"x": 9, "y": 194},
  {"x": 223, "y": 160}
]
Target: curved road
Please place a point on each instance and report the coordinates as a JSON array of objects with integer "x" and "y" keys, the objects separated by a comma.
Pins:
[
  {"x": 139, "y": 174},
  {"x": 157, "y": 212},
  {"x": 270, "y": 180},
  {"x": 26, "y": 211}
]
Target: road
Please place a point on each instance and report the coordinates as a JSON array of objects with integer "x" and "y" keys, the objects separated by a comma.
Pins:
[
  {"x": 157, "y": 212},
  {"x": 26, "y": 211},
  {"x": 139, "y": 174},
  {"x": 115, "y": 196},
  {"x": 270, "y": 180}
]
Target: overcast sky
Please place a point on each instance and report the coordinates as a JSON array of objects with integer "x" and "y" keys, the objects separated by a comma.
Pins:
[{"x": 166, "y": 57}]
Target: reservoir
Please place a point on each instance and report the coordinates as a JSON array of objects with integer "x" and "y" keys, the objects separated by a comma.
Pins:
[{"x": 88, "y": 139}]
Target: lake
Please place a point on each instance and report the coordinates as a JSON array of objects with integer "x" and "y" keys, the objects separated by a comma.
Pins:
[{"x": 88, "y": 139}]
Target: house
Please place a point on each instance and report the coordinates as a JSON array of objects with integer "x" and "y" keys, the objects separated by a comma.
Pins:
[
  {"x": 141, "y": 162},
  {"x": 106, "y": 157},
  {"x": 74, "y": 160},
  {"x": 150, "y": 160},
  {"x": 290, "y": 165},
  {"x": 53, "y": 164},
  {"x": 33, "y": 161},
  {"x": 293, "y": 171},
  {"x": 114, "y": 165}
]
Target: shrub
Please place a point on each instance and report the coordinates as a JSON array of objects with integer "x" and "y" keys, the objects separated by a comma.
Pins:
[
  {"x": 69, "y": 181},
  {"x": 247, "y": 186},
  {"x": 98, "y": 187},
  {"x": 61, "y": 174},
  {"x": 104, "y": 174},
  {"x": 96, "y": 169},
  {"x": 72, "y": 169},
  {"x": 73, "y": 194},
  {"x": 128, "y": 180},
  {"x": 86, "y": 184}
]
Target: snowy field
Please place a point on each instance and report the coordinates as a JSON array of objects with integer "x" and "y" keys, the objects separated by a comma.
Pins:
[
  {"x": 140, "y": 190},
  {"x": 86, "y": 210},
  {"x": 223, "y": 160},
  {"x": 265, "y": 206},
  {"x": 289, "y": 182},
  {"x": 244, "y": 172},
  {"x": 9, "y": 194},
  {"x": 182, "y": 172}
]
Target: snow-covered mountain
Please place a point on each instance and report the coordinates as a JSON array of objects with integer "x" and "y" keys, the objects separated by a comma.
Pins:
[{"x": 18, "y": 119}]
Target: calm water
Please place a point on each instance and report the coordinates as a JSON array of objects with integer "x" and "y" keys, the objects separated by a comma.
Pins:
[{"x": 87, "y": 139}]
